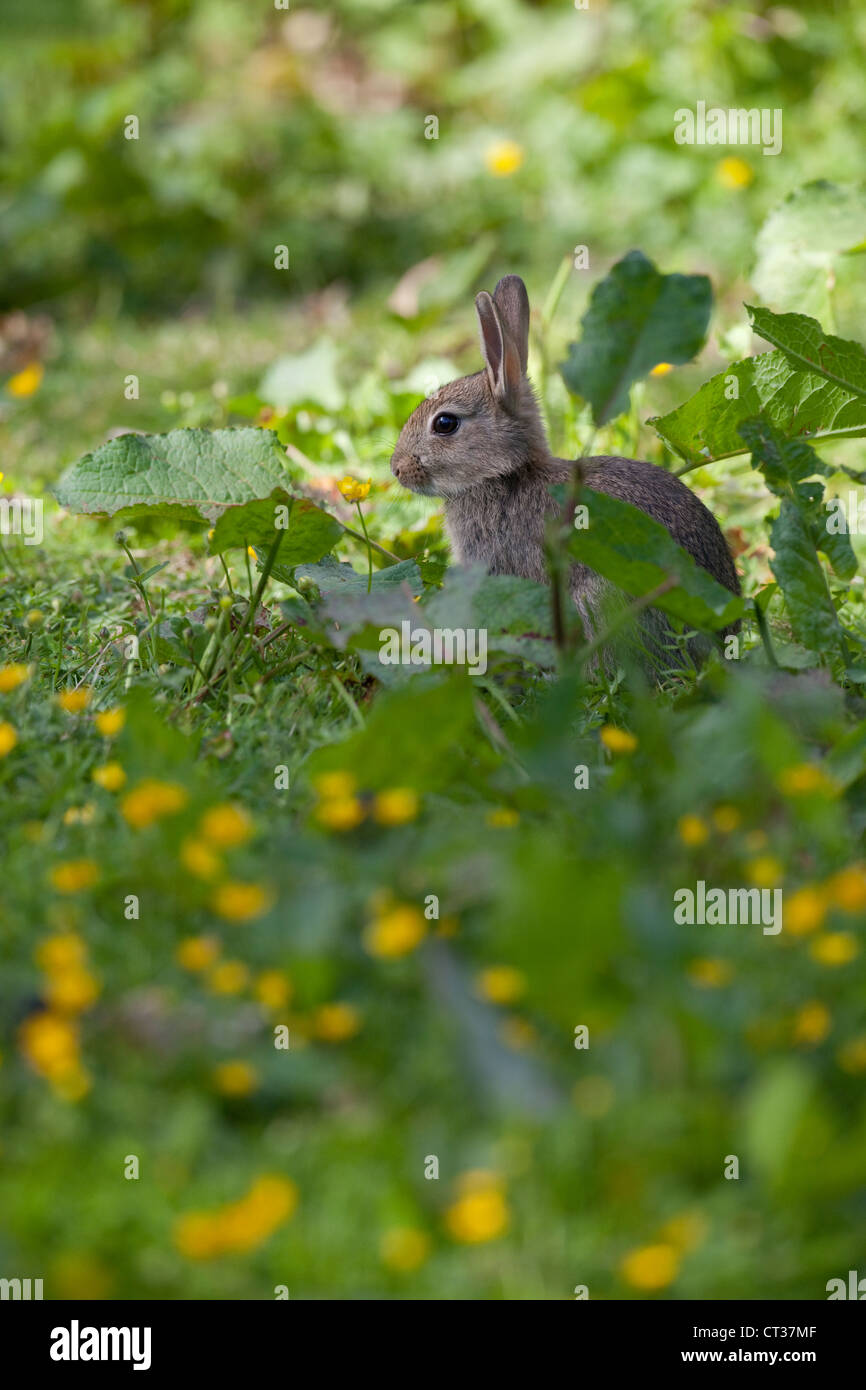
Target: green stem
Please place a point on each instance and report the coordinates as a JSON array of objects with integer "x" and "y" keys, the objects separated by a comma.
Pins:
[{"x": 369, "y": 548}]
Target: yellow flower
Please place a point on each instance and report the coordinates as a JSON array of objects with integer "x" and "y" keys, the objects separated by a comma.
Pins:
[
  {"x": 502, "y": 818},
  {"x": 111, "y": 777},
  {"x": 199, "y": 858},
  {"x": 151, "y": 800},
  {"x": 241, "y": 902},
  {"x": 847, "y": 889},
  {"x": 229, "y": 977},
  {"x": 710, "y": 973},
  {"x": 226, "y": 825},
  {"x": 617, "y": 740},
  {"x": 805, "y": 779},
  {"x": 734, "y": 173},
  {"x": 273, "y": 989},
  {"x": 501, "y": 984},
  {"x": 852, "y": 1055},
  {"x": 8, "y": 739},
  {"x": 804, "y": 911},
  {"x": 235, "y": 1078},
  {"x": 352, "y": 489},
  {"x": 692, "y": 830},
  {"x": 334, "y": 785},
  {"x": 198, "y": 1235},
  {"x": 74, "y": 701},
  {"x": 480, "y": 1212},
  {"x": 58, "y": 953},
  {"x": 503, "y": 158},
  {"x": 74, "y": 875},
  {"x": 765, "y": 872},
  {"x": 651, "y": 1267},
  {"x": 835, "y": 948},
  {"x": 395, "y": 806},
  {"x": 197, "y": 952},
  {"x": 395, "y": 932},
  {"x": 109, "y": 722},
  {"x": 404, "y": 1248},
  {"x": 72, "y": 991},
  {"x": 726, "y": 819},
  {"x": 686, "y": 1231},
  {"x": 336, "y": 1022},
  {"x": 251, "y": 551},
  {"x": 50, "y": 1044},
  {"x": 343, "y": 813},
  {"x": 34, "y": 618},
  {"x": 662, "y": 369},
  {"x": 239, "y": 1226},
  {"x": 27, "y": 381},
  {"x": 13, "y": 676},
  {"x": 812, "y": 1023}
]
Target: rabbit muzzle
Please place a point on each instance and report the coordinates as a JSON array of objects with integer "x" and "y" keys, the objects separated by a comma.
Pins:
[{"x": 410, "y": 471}]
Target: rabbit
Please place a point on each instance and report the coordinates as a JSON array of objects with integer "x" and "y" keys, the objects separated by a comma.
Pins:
[{"x": 480, "y": 444}]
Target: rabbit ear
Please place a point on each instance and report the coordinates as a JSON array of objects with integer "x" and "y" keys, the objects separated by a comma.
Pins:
[
  {"x": 501, "y": 356},
  {"x": 512, "y": 301}
]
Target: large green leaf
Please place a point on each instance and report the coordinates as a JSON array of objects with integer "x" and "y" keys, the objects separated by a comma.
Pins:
[
  {"x": 804, "y": 244},
  {"x": 188, "y": 474},
  {"x": 308, "y": 532},
  {"x": 637, "y": 317},
  {"x": 637, "y": 554}
]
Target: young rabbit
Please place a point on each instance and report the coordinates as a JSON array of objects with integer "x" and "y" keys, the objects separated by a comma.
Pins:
[{"x": 479, "y": 443}]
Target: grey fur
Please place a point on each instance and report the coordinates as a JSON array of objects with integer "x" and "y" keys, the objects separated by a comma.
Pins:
[{"x": 495, "y": 471}]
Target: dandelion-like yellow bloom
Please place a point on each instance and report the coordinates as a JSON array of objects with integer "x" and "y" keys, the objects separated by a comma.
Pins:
[
  {"x": 835, "y": 948},
  {"x": 27, "y": 381},
  {"x": 692, "y": 830},
  {"x": 74, "y": 875},
  {"x": 58, "y": 953},
  {"x": 110, "y": 776},
  {"x": 480, "y": 1212},
  {"x": 13, "y": 676},
  {"x": 8, "y": 738},
  {"x": 650, "y": 1268},
  {"x": 708, "y": 972},
  {"x": 395, "y": 806},
  {"x": 72, "y": 991},
  {"x": 273, "y": 989},
  {"x": 336, "y": 1022},
  {"x": 229, "y": 977},
  {"x": 49, "y": 1041},
  {"x": 340, "y": 813},
  {"x": 804, "y": 910},
  {"x": 150, "y": 801},
  {"x": 335, "y": 785},
  {"x": 503, "y": 158},
  {"x": 502, "y": 818},
  {"x": 199, "y": 858},
  {"x": 352, "y": 489},
  {"x": 235, "y": 1078},
  {"x": 240, "y": 1226},
  {"x": 109, "y": 722},
  {"x": 501, "y": 984},
  {"x": 765, "y": 872},
  {"x": 734, "y": 173},
  {"x": 617, "y": 740},
  {"x": 404, "y": 1248},
  {"x": 197, "y": 952},
  {"x": 241, "y": 902},
  {"x": 75, "y": 701},
  {"x": 395, "y": 932},
  {"x": 847, "y": 889},
  {"x": 662, "y": 369},
  {"x": 812, "y": 1023},
  {"x": 226, "y": 825}
]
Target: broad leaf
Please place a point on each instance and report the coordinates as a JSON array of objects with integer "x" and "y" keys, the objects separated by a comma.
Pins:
[
  {"x": 803, "y": 245},
  {"x": 308, "y": 532},
  {"x": 636, "y": 318}
]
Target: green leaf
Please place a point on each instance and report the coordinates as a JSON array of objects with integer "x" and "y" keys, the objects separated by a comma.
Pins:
[
  {"x": 802, "y": 245},
  {"x": 804, "y": 342},
  {"x": 637, "y": 554},
  {"x": 636, "y": 318},
  {"x": 773, "y": 1110},
  {"x": 304, "y": 378},
  {"x": 186, "y": 474},
  {"x": 332, "y": 577},
  {"x": 308, "y": 532}
]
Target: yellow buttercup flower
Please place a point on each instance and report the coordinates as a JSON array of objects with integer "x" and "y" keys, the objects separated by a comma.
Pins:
[
  {"x": 150, "y": 801},
  {"x": 835, "y": 948},
  {"x": 336, "y": 1022},
  {"x": 395, "y": 932},
  {"x": 804, "y": 910},
  {"x": 273, "y": 989},
  {"x": 74, "y": 875},
  {"x": 502, "y": 818},
  {"x": 235, "y": 1078},
  {"x": 27, "y": 381},
  {"x": 335, "y": 785},
  {"x": 59, "y": 953},
  {"x": 404, "y": 1248},
  {"x": 8, "y": 738},
  {"x": 109, "y": 722},
  {"x": 480, "y": 1212},
  {"x": 395, "y": 806},
  {"x": 239, "y": 1226},
  {"x": 734, "y": 173},
  {"x": 241, "y": 902},
  {"x": 75, "y": 701},
  {"x": 501, "y": 984},
  {"x": 13, "y": 676},
  {"x": 662, "y": 369},
  {"x": 110, "y": 776},
  {"x": 352, "y": 489},
  {"x": 72, "y": 991},
  {"x": 340, "y": 813},
  {"x": 847, "y": 889},
  {"x": 650, "y": 1268},
  {"x": 226, "y": 825},
  {"x": 692, "y": 830},
  {"x": 49, "y": 1041},
  {"x": 812, "y": 1023},
  {"x": 199, "y": 858},
  {"x": 710, "y": 973},
  {"x": 503, "y": 158},
  {"x": 197, "y": 952},
  {"x": 765, "y": 872},
  {"x": 617, "y": 740},
  {"x": 805, "y": 779},
  {"x": 229, "y": 977}
]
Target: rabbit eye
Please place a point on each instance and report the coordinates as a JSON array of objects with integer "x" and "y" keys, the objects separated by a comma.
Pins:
[{"x": 445, "y": 423}]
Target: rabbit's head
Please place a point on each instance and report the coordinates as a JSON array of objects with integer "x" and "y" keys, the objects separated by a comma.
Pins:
[{"x": 482, "y": 426}]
